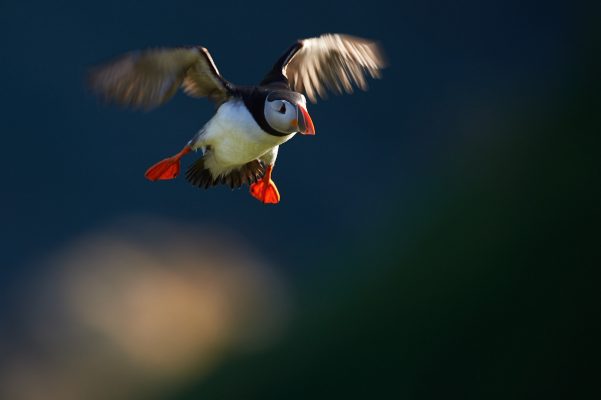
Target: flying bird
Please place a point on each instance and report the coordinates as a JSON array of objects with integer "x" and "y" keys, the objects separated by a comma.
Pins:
[{"x": 240, "y": 143}]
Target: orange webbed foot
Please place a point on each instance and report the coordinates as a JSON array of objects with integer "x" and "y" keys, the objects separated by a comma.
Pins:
[
  {"x": 168, "y": 168},
  {"x": 265, "y": 190}
]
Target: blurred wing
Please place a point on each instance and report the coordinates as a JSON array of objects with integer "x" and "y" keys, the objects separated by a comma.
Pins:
[
  {"x": 331, "y": 61},
  {"x": 147, "y": 79}
]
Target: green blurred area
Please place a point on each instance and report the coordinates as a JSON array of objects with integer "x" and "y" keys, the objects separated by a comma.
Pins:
[{"x": 482, "y": 286}]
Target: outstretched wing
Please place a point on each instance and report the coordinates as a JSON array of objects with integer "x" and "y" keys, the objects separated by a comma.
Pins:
[
  {"x": 147, "y": 79},
  {"x": 331, "y": 61}
]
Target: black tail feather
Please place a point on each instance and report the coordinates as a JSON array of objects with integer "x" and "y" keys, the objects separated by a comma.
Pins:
[{"x": 202, "y": 177}]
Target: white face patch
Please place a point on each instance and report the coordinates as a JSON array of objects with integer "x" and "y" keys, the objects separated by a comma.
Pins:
[{"x": 281, "y": 115}]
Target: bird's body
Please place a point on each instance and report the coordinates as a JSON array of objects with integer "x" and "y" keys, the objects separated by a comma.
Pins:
[
  {"x": 232, "y": 138},
  {"x": 240, "y": 143}
]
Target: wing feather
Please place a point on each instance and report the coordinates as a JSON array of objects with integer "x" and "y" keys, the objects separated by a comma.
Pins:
[
  {"x": 148, "y": 79},
  {"x": 334, "y": 62}
]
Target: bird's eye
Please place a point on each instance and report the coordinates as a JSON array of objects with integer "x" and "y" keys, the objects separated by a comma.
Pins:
[{"x": 282, "y": 109}]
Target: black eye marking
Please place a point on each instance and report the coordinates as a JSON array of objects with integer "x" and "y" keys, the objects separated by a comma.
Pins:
[{"x": 282, "y": 109}]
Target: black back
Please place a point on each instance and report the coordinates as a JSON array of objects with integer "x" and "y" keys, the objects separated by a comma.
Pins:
[{"x": 276, "y": 75}]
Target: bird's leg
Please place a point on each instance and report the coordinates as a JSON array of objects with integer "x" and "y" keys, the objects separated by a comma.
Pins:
[
  {"x": 167, "y": 168},
  {"x": 265, "y": 189}
]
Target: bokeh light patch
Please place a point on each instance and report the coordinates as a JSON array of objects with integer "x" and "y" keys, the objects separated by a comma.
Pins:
[{"x": 132, "y": 309}]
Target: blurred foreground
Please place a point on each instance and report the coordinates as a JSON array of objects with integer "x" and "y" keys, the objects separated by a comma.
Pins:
[{"x": 127, "y": 313}]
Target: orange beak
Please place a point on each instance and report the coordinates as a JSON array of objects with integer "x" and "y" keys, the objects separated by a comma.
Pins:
[{"x": 305, "y": 124}]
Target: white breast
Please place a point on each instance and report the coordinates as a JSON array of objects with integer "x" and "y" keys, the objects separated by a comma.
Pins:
[{"x": 235, "y": 138}]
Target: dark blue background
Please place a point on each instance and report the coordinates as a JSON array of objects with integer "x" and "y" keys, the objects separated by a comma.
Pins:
[
  {"x": 469, "y": 107},
  {"x": 72, "y": 163}
]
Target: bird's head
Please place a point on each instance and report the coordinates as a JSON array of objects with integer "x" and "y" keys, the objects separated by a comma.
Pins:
[{"x": 286, "y": 112}]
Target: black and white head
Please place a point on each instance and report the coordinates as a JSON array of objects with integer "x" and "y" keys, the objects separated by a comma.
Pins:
[{"x": 286, "y": 112}]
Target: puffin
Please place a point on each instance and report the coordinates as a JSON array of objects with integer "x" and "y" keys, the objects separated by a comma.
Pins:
[{"x": 239, "y": 144}]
